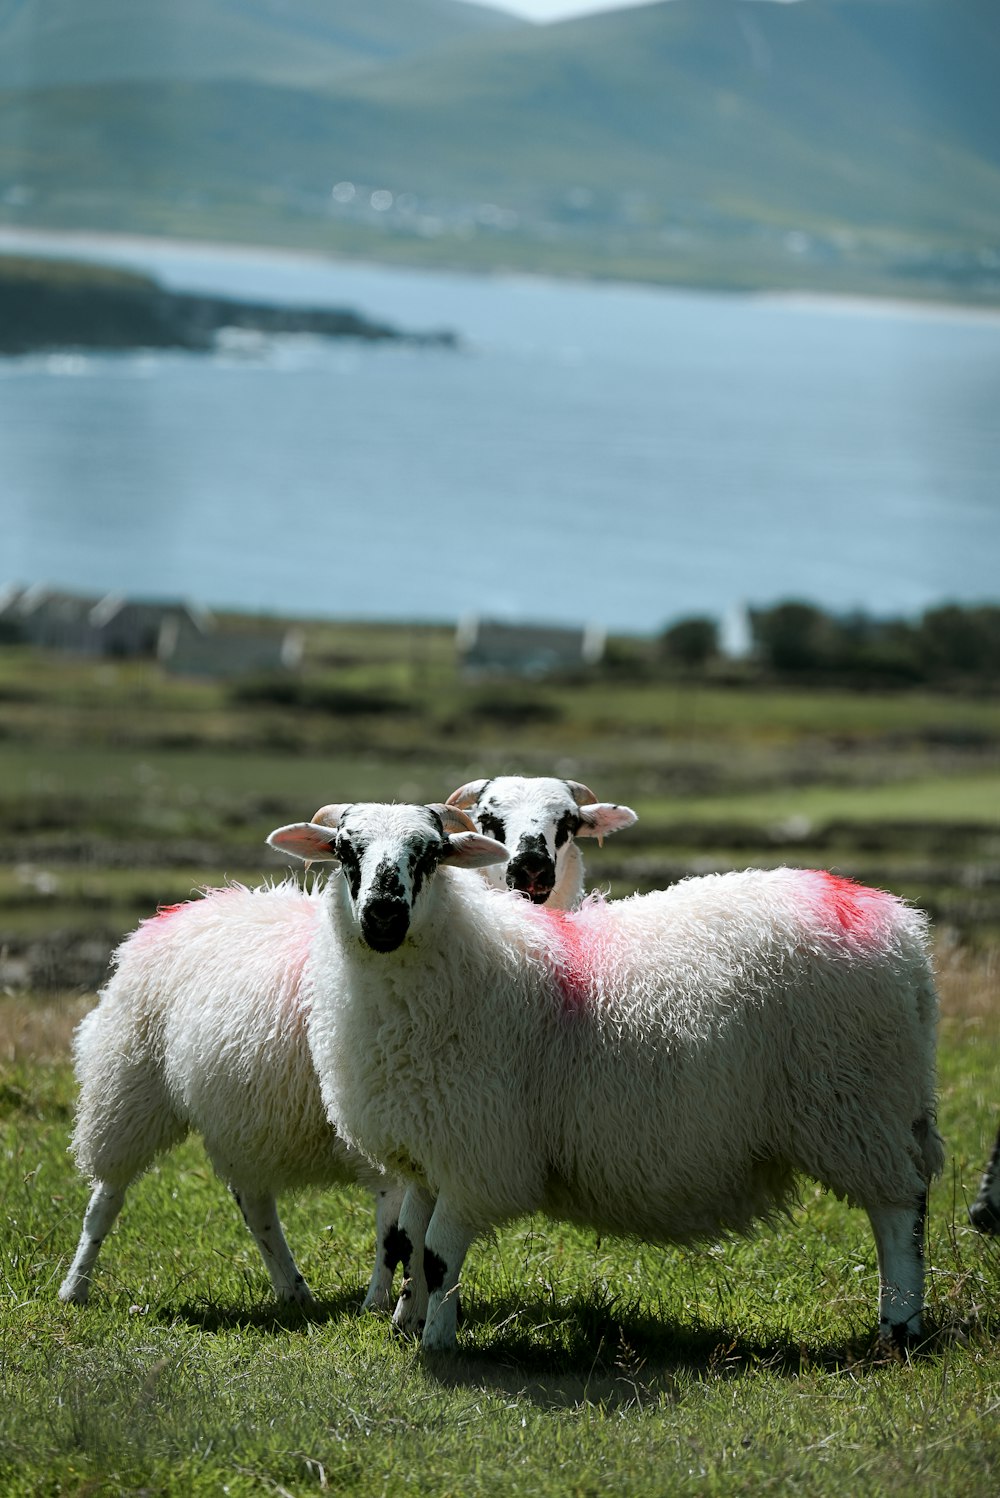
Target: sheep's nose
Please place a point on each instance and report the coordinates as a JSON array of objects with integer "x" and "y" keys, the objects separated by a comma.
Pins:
[
  {"x": 384, "y": 924},
  {"x": 532, "y": 873}
]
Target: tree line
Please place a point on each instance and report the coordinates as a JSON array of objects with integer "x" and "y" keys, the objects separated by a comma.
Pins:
[{"x": 952, "y": 644}]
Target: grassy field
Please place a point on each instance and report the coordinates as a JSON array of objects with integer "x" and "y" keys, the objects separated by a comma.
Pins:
[{"x": 585, "y": 1367}]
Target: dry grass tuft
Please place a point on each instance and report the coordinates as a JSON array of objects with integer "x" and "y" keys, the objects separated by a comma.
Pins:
[
  {"x": 39, "y": 1029},
  {"x": 969, "y": 983}
]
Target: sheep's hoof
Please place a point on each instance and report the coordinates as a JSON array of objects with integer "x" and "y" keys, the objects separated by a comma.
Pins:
[
  {"x": 435, "y": 1342},
  {"x": 406, "y": 1319},
  {"x": 984, "y": 1216},
  {"x": 74, "y": 1295},
  {"x": 300, "y": 1296},
  {"x": 379, "y": 1302},
  {"x": 898, "y": 1339},
  {"x": 411, "y": 1332}
]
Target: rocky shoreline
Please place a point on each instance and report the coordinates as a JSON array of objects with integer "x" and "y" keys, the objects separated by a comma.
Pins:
[{"x": 55, "y": 304}]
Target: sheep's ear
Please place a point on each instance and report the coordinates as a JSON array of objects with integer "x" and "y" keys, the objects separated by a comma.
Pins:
[
  {"x": 471, "y": 850},
  {"x": 603, "y": 818},
  {"x": 304, "y": 840},
  {"x": 467, "y": 795}
]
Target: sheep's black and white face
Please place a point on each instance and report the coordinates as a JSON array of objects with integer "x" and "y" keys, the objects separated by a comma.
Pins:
[
  {"x": 387, "y": 854},
  {"x": 537, "y": 820}
]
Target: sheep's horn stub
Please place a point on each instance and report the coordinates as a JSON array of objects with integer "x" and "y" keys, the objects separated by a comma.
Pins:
[
  {"x": 329, "y": 816},
  {"x": 582, "y": 794},
  {"x": 468, "y": 794},
  {"x": 454, "y": 819}
]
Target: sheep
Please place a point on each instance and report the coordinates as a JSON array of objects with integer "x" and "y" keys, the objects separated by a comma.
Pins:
[
  {"x": 663, "y": 1066},
  {"x": 202, "y": 1027},
  {"x": 538, "y": 820},
  {"x": 985, "y": 1210}
]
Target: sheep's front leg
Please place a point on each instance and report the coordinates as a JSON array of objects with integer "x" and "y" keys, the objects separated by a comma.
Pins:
[
  {"x": 899, "y": 1241},
  {"x": 105, "y": 1203},
  {"x": 389, "y": 1248},
  {"x": 260, "y": 1213},
  {"x": 411, "y": 1308},
  {"x": 445, "y": 1245},
  {"x": 985, "y": 1210}
]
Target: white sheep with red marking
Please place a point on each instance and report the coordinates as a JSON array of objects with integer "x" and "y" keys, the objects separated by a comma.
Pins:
[
  {"x": 202, "y": 1027},
  {"x": 664, "y": 1066}
]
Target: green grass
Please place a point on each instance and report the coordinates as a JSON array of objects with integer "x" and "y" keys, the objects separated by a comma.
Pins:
[
  {"x": 972, "y": 797},
  {"x": 584, "y": 1367}
]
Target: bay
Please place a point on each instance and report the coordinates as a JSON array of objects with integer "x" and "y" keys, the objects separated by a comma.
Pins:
[{"x": 613, "y": 454}]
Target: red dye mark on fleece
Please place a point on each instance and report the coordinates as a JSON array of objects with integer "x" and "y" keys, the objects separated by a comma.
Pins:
[
  {"x": 573, "y": 967},
  {"x": 858, "y": 910},
  {"x": 163, "y": 911}
]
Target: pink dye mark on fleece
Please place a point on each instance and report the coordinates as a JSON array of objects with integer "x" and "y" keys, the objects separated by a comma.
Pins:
[
  {"x": 573, "y": 966},
  {"x": 858, "y": 910}
]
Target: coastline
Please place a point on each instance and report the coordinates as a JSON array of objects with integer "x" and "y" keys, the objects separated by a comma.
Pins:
[
  {"x": 100, "y": 244},
  {"x": 87, "y": 296}
]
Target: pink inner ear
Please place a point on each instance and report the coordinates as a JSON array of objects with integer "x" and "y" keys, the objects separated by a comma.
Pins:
[
  {"x": 304, "y": 841},
  {"x": 598, "y": 821}
]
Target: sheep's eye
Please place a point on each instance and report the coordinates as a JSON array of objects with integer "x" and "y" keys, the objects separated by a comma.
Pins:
[
  {"x": 423, "y": 861},
  {"x": 350, "y": 863},
  {"x": 567, "y": 826},
  {"x": 491, "y": 826}
]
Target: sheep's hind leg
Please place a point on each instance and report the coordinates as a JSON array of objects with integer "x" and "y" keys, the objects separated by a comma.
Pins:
[
  {"x": 260, "y": 1213},
  {"x": 105, "y": 1203},
  {"x": 445, "y": 1245},
  {"x": 389, "y": 1248},
  {"x": 411, "y": 1308},
  {"x": 899, "y": 1241},
  {"x": 984, "y": 1213}
]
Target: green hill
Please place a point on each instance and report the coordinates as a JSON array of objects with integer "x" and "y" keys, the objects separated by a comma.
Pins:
[
  {"x": 59, "y": 43},
  {"x": 834, "y": 144}
]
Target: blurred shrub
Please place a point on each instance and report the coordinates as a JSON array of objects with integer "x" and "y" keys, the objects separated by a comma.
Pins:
[
  {"x": 281, "y": 690},
  {"x": 961, "y": 641},
  {"x": 794, "y": 637},
  {"x": 511, "y": 704},
  {"x": 691, "y": 642},
  {"x": 950, "y": 645}
]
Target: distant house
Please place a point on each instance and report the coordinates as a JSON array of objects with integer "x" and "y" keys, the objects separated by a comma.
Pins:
[
  {"x": 111, "y": 625},
  {"x": 129, "y": 627},
  {"x": 487, "y": 647},
  {"x": 182, "y": 637},
  {"x": 50, "y": 618},
  {"x": 229, "y": 652}
]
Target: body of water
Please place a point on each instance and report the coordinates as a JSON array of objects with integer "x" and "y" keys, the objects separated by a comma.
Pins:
[{"x": 613, "y": 454}]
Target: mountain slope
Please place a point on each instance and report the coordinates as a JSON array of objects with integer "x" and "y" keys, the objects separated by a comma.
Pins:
[
  {"x": 717, "y": 92},
  {"x": 54, "y": 43},
  {"x": 725, "y": 134}
]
